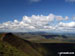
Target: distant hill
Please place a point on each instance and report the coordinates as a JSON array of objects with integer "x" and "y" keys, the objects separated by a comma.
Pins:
[
  {"x": 29, "y": 36},
  {"x": 38, "y": 36},
  {"x": 46, "y": 38}
]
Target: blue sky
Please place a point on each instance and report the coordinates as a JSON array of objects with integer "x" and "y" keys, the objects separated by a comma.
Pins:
[
  {"x": 38, "y": 14},
  {"x": 16, "y": 9}
]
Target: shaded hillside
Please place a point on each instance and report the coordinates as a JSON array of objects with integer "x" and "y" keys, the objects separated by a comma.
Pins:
[
  {"x": 54, "y": 48},
  {"x": 8, "y": 50},
  {"x": 31, "y": 49}
]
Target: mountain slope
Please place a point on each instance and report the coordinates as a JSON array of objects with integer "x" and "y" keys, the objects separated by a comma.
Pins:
[
  {"x": 29, "y": 49},
  {"x": 8, "y": 50}
]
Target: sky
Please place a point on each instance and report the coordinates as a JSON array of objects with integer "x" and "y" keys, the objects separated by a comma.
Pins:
[{"x": 37, "y": 15}]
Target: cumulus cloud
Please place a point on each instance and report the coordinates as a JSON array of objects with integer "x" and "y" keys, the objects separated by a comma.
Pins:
[
  {"x": 66, "y": 27},
  {"x": 59, "y": 18},
  {"x": 37, "y": 23},
  {"x": 71, "y": 24},
  {"x": 66, "y": 18}
]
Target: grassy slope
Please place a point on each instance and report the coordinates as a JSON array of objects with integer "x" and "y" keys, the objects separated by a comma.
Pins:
[
  {"x": 8, "y": 50},
  {"x": 14, "y": 46}
]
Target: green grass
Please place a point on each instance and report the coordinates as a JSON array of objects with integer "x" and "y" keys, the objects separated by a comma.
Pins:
[
  {"x": 12, "y": 45},
  {"x": 8, "y": 50}
]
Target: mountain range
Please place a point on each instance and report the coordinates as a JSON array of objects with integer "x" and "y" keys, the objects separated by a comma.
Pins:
[{"x": 13, "y": 45}]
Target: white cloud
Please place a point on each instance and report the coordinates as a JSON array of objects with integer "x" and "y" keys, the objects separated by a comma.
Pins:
[
  {"x": 36, "y": 23},
  {"x": 66, "y": 18},
  {"x": 66, "y": 27},
  {"x": 16, "y": 21},
  {"x": 59, "y": 18},
  {"x": 71, "y": 24}
]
